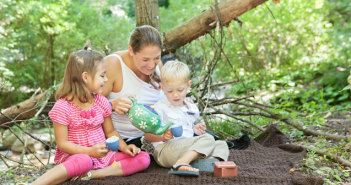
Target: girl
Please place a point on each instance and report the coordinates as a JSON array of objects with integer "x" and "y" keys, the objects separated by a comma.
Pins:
[{"x": 82, "y": 122}]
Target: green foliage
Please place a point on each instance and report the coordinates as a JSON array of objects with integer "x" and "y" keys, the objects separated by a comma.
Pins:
[
  {"x": 300, "y": 56},
  {"x": 293, "y": 54},
  {"x": 170, "y": 16},
  {"x": 37, "y": 36}
]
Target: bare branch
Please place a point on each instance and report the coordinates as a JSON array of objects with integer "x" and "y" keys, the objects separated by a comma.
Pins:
[
  {"x": 241, "y": 119},
  {"x": 334, "y": 157},
  {"x": 26, "y": 147}
]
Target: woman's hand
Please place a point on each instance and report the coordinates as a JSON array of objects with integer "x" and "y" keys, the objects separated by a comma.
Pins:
[
  {"x": 131, "y": 150},
  {"x": 199, "y": 129},
  {"x": 99, "y": 150},
  {"x": 167, "y": 135},
  {"x": 122, "y": 105}
]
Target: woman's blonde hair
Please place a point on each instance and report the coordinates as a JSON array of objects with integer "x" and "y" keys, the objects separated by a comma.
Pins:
[
  {"x": 85, "y": 60},
  {"x": 175, "y": 70},
  {"x": 144, "y": 36}
]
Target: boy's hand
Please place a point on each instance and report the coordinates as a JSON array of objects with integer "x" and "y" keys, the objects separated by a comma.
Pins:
[
  {"x": 189, "y": 100},
  {"x": 131, "y": 150},
  {"x": 167, "y": 135},
  {"x": 99, "y": 150},
  {"x": 199, "y": 129}
]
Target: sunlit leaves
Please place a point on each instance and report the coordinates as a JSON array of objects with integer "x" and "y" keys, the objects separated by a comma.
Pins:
[{"x": 30, "y": 29}]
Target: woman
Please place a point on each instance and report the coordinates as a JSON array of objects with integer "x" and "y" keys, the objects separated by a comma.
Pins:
[{"x": 134, "y": 72}]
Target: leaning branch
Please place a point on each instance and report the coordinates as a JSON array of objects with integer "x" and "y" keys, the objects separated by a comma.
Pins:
[
  {"x": 238, "y": 118},
  {"x": 269, "y": 114},
  {"x": 308, "y": 131},
  {"x": 334, "y": 157}
]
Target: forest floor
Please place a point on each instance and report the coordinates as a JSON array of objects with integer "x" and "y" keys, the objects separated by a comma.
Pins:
[{"x": 330, "y": 171}]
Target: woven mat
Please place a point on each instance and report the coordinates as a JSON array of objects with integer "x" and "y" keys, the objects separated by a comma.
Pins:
[{"x": 267, "y": 160}]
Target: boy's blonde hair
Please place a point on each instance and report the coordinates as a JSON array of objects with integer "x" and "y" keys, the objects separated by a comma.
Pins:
[
  {"x": 85, "y": 60},
  {"x": 175, "y": 70}
]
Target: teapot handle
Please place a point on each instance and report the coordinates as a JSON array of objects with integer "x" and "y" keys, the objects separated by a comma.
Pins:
[{"x": 133, "y": 100}]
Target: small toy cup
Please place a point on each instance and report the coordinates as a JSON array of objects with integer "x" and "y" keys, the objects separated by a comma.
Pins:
[
  {"x": 177, "y": 130},
  {"x": 112, "y": 143}
]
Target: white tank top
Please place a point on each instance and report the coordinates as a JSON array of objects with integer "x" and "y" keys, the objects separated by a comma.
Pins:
[{"x": 145, "y": 94}]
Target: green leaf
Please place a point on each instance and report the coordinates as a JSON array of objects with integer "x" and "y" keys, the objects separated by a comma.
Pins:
[
  {"x": 338, "y": 178},
  {"x": 346, "y": 88}
]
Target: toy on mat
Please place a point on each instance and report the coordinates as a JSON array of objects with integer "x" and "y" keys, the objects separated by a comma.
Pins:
[
  {"x": 225, "y": 169},
  {"x": 144, "y": 118}
]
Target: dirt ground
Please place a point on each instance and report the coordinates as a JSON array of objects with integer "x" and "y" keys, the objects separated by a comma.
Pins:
[{"x": 13, "y": 173}]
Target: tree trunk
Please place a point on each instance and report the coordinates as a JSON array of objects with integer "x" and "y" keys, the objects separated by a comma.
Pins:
[
  {"x": 146, "y": 13},
  {"x": 206, "y": 21}
]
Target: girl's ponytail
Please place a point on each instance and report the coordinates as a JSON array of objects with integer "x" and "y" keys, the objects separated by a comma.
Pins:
[{"x": 87, "y": 45}]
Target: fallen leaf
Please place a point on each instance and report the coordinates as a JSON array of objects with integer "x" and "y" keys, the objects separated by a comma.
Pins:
[
  {"x": 327, "y": 115},
  {"x": 292, "y": 170}
]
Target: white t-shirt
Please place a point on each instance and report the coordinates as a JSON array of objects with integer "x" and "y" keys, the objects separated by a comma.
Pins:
[
  {"x": 180, "y": 115},
  {"x": 144, "y": 92}
]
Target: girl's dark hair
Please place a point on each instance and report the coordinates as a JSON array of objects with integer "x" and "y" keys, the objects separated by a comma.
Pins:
[
  {"x": 143, "y": 36},
  {"x": 85, "y": 60}
]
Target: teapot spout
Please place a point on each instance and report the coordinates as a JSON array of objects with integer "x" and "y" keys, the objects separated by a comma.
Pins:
[{"x": 161, "y": 130}]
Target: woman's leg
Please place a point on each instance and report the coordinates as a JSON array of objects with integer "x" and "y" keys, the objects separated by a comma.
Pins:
[{"x": 75, "y": 165}]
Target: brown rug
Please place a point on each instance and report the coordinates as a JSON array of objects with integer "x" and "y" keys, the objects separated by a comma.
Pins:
[{"x": 267, "y": 160}]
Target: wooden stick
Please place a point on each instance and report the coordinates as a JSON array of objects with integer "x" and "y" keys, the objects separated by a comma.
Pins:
[{"x": 334, "y": 157}]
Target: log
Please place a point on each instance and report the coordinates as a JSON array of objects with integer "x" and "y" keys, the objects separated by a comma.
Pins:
[
  {"x": 21, "y": 111},
  {"x": 206, "y": 21}
]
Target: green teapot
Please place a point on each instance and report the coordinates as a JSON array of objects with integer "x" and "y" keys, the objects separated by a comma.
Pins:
[{"x": 145, "y": 118}]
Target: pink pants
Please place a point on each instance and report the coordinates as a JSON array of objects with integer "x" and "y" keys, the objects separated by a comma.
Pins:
[{"x": 79, "y": 164}]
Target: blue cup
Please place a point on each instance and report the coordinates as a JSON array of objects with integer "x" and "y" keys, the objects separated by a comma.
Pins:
[
  {"x": 177, "y": 130},
  {"x": 112, "y": 143}
]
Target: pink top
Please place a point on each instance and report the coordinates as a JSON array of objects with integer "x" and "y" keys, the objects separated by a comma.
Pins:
[{"x": 84, "y": 126}]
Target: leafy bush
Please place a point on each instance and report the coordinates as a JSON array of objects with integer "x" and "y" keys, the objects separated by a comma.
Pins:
[{"x": 37, "y": 37}]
